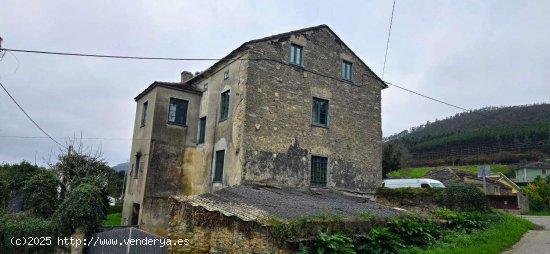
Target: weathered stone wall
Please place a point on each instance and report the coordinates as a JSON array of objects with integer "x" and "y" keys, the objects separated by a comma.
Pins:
[
  {"x": 212, "y": 232},
  {"x": 279, "y": 138},
  {"x": 141, "y": 143}
]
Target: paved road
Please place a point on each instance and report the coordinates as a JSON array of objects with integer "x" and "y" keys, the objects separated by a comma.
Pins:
[{"x": 534, "y": 241}]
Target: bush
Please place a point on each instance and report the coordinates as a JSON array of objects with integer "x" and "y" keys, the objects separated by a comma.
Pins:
[
  {"x": 467, "y": 221},
  {"x": 413, "y": 232},
  {"x": 380, "y": 240},
  {"x": 329, "y": 243},
  {"x": 40, "y": 193},
  {"x": 464, "y": 198},
  {"x": 84, "y": 207},
  {"x": 17, "y": 226}
]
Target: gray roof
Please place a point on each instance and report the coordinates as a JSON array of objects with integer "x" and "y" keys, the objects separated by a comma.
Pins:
[
  {"x": 259, "y": 203},
  {"x": 542, "y": 165}
]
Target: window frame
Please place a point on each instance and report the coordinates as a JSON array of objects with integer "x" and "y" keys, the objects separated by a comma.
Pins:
[
  {"x": 217, "y": 176},
  {"x": 292, "y": 54},
  {"x": 313, "y": 116},
  {"x": 224, "y": 105},
  {"x": 225, "y": 74},
  {"x": 202, "y": 130},
  {"x": 175, "y": 122},
  {"x": 345, "y": 70},
  {"x": 314, "y": 181},
  {"x": 137, "y": 166},
  {"x": 144, "y": 108}
]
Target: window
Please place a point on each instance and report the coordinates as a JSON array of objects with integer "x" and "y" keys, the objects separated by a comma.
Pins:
[
  {"x": 544, "y": 171},
  {"x": 177, "y": 112},
  {"x": 218, "y": 172},
  {"x": 137, "y": 167},
  {"x": 425, "y": 185},
  {"x": 226, "y": 75},
  {"x": 144, "y": 113},
  {"x": 320, "y": 112},
  {"x": 319, "y": 171},
  {"x": 202, "y": 128},
  {"x": 346, "y": 70},
  {"x": 205, "y": 87},
  {"x": 295, "y": 54},
  {"x": 224, "y": 106}
]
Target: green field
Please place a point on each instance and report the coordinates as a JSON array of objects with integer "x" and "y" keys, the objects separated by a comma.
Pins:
[
  {"x": 113, "y": 219},
  {"x": 420, "y": 172}
]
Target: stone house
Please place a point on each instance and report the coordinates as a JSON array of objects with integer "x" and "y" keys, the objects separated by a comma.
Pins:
[
  {"x": 298, "y": 109},
  {"x": 527, "y": 173}
]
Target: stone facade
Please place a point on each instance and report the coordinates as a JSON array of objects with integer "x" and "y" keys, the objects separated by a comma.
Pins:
[{"x": 268, "y": 136}]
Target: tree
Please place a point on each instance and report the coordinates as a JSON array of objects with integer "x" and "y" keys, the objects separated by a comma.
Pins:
[
  {"x": 40, "y": 193},
  {"x": 76, "y": 164},
  {"x": 83, "y": 208},
  {"x": 394, "y": 156}
]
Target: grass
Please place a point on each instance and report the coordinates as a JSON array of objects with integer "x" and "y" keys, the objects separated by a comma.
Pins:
[
  {"x": 420, "y": 172},
  {"x": 495, "y": 239},
  {"x": 113, "y": 219},
  {"x": 542, "y": 213}
]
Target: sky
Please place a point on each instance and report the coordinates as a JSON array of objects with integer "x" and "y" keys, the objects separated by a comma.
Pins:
[{"x": 469, "y": 53}]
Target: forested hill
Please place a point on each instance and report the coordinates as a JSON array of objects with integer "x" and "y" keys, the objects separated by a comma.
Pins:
[
  {"x": 516, "y": 129},
  {"x": 480, "y": 118}
]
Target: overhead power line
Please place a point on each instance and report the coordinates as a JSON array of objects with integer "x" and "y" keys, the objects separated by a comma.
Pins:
[
  {"x": 388, "y": 41},
  {"x": 30, "y": 118},
  {"x": 84, "y": 138}
]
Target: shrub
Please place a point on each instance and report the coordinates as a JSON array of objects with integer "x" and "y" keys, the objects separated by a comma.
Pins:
[
  {"x": 83, "y": 207},
  {"x": 19, "y": 226},
  {"x": 330, "y": 243},
  {"x": 413, "y": 232},
  {"x": 40, "y": 193},
  {"x": 464, "y": 198},
  {"x": 380, "y": 240}
]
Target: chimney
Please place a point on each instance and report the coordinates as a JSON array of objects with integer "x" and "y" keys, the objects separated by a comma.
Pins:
[{"x": 186, "y": 76}]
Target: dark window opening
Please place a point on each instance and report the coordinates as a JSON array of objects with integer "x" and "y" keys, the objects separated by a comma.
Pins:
[
  {"x": 224, "y": 106},
  {"x": 135, "y": 214},
  {"x": 296, "y": 54},
  {"x": 320, "y": 112},
  {"x": 137, "y": 167},
  {"x": 425, "y": 185},
  {"x": 202, "y": 129},
  {"x": 177, "y": 112},
  {"x": 218, "y": 172},
  {"x": 144, "y": 113},
  {"x": 319, "y": 171}
]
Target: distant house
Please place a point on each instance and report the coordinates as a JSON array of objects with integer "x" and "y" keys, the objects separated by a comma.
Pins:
[
  {"x": 501, "y": 192},
  {"x": 529, "y": 172}
]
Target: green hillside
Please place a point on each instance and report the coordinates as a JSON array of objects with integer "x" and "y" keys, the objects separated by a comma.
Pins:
[{"x": 489, "y": 135}]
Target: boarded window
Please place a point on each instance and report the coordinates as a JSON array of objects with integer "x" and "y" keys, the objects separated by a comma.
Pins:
[
  {"x": 144, "y": 114},
  {"x": 202, "y": 129},
  {"x": 346, "y": 70},
  {"x": 224, "y": 106},
  {"x": 177, "y": 111},
  {"x": 320, "y": 112},
  {"x": 218, "y": 172},
  {"x": 319, "y": 171},
  {"x": 295, "y": 54}
]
